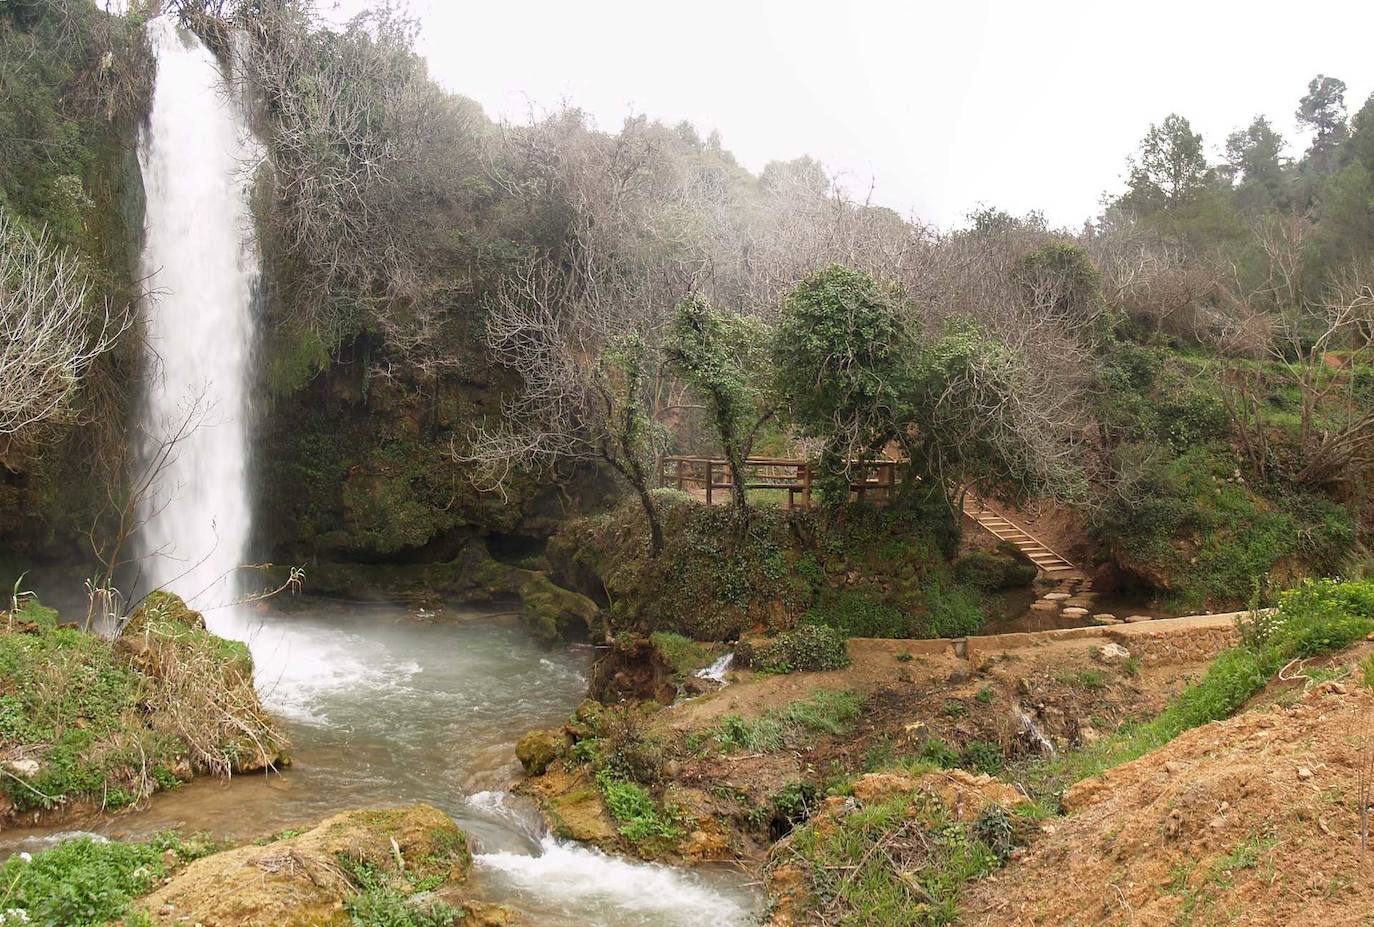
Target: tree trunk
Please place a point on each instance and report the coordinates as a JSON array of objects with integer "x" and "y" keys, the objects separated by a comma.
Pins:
[{"x": 651, "y": 516}]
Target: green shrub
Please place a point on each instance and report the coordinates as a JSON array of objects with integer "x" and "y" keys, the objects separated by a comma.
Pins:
[
  {"x": 803, "y": 649},
  {"x": 951, "y": 611}
]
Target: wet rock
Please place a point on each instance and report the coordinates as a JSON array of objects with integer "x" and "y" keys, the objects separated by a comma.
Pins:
[
  {"x": 537, "y": 749},
  {"x": 552, "y": 613}
]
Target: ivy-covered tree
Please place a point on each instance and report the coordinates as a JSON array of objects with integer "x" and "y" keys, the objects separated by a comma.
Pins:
[
  {"x": 842, "y": 366},
  {"x": 721, "y": 355}
]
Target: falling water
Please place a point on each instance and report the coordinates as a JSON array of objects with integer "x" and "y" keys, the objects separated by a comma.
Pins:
[{"x": 202, "y": 267}]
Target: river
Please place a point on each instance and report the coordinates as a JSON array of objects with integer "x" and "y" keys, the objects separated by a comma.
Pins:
[{"x": 382, "y": 708}]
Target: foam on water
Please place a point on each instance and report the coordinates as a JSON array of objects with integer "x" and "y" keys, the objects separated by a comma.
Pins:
[{"x": 567, "y": 880}]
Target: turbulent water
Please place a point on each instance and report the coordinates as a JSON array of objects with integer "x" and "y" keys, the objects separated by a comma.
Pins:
[
  {"x": 382, "y": 708},
  {"x": 201, "y": 265}
]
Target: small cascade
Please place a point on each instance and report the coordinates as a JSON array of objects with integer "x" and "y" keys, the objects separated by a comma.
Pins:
[
  {"x": 1032, "y": 732},
  {"x": 564, "y": 879},
  {"x": 201, "y": 265},
  {"x": 717, "y": 670}
]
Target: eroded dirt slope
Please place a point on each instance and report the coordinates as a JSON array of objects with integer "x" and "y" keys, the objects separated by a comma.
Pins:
[{"x": 1254, "y": 820}]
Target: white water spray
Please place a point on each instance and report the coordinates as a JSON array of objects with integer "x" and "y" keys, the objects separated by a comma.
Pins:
[
  {"x": 202, "y": 266},
  {"x": 717, "y": 670}
]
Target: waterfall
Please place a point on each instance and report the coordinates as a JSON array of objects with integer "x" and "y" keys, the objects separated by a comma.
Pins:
[{"x": 201, "y": 265}]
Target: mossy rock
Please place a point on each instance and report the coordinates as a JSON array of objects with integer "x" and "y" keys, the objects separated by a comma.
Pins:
[
  {"x": 304, "y": 881},
  {"x": 552, "y": 613},
  {"x": 538, "y": 749}
]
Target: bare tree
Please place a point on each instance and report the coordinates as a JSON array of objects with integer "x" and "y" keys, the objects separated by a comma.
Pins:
[
  {"x": 52, "y": 327},
  {"x": 1319, "y": 350},
  {"x": 583, "y": 355}
]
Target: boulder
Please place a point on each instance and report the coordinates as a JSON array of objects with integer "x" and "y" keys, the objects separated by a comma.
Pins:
[
  {"x": 305, "y": 879},
  {"x": 552, "y": 612},
  {"x": 537, "y": 749},
  {"x": 1113, "y": 653}
]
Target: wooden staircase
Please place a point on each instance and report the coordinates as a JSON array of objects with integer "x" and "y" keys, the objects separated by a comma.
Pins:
[{"x": 1049, "y": 562}]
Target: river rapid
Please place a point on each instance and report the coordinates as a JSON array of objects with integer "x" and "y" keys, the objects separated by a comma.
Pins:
[{"x": 384, "y": 707}]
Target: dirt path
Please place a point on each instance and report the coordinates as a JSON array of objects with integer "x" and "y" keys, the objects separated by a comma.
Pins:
[{"x": 1167, "y": 649}]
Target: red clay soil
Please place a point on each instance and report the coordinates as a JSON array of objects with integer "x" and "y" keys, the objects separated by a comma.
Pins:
[{"x": 1250, "y": 821}]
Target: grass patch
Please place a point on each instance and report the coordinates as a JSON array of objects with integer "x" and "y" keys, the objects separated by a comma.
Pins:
[
  {"x": 683, "y": 654},
  {"x": 381, "y": 902},
  {"x": 114, "y": 722},
  {"x": 901, "y": 862},
  {"x": 84, "y": 882},
  {"x": 823, "y": 712},
  {"x": 1083, "y": 679}
]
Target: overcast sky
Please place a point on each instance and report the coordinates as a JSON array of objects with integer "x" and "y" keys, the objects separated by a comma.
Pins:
[{"x": 942, "y": 106}]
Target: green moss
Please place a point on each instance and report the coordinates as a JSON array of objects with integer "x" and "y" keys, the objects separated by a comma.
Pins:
[{"x": 552, "y": 612}]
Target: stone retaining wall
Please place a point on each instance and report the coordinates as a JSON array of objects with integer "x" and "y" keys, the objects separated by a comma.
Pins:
[
  {"x": 1180, "y": 645},
  {"x": 1157, "y": 642}
]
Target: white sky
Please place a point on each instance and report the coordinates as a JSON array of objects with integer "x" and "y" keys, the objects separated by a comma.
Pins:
[{"x": 1021, "y": 104}]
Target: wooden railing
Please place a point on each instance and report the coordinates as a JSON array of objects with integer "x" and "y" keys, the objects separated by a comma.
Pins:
[{"x": 709, "y": 478}]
